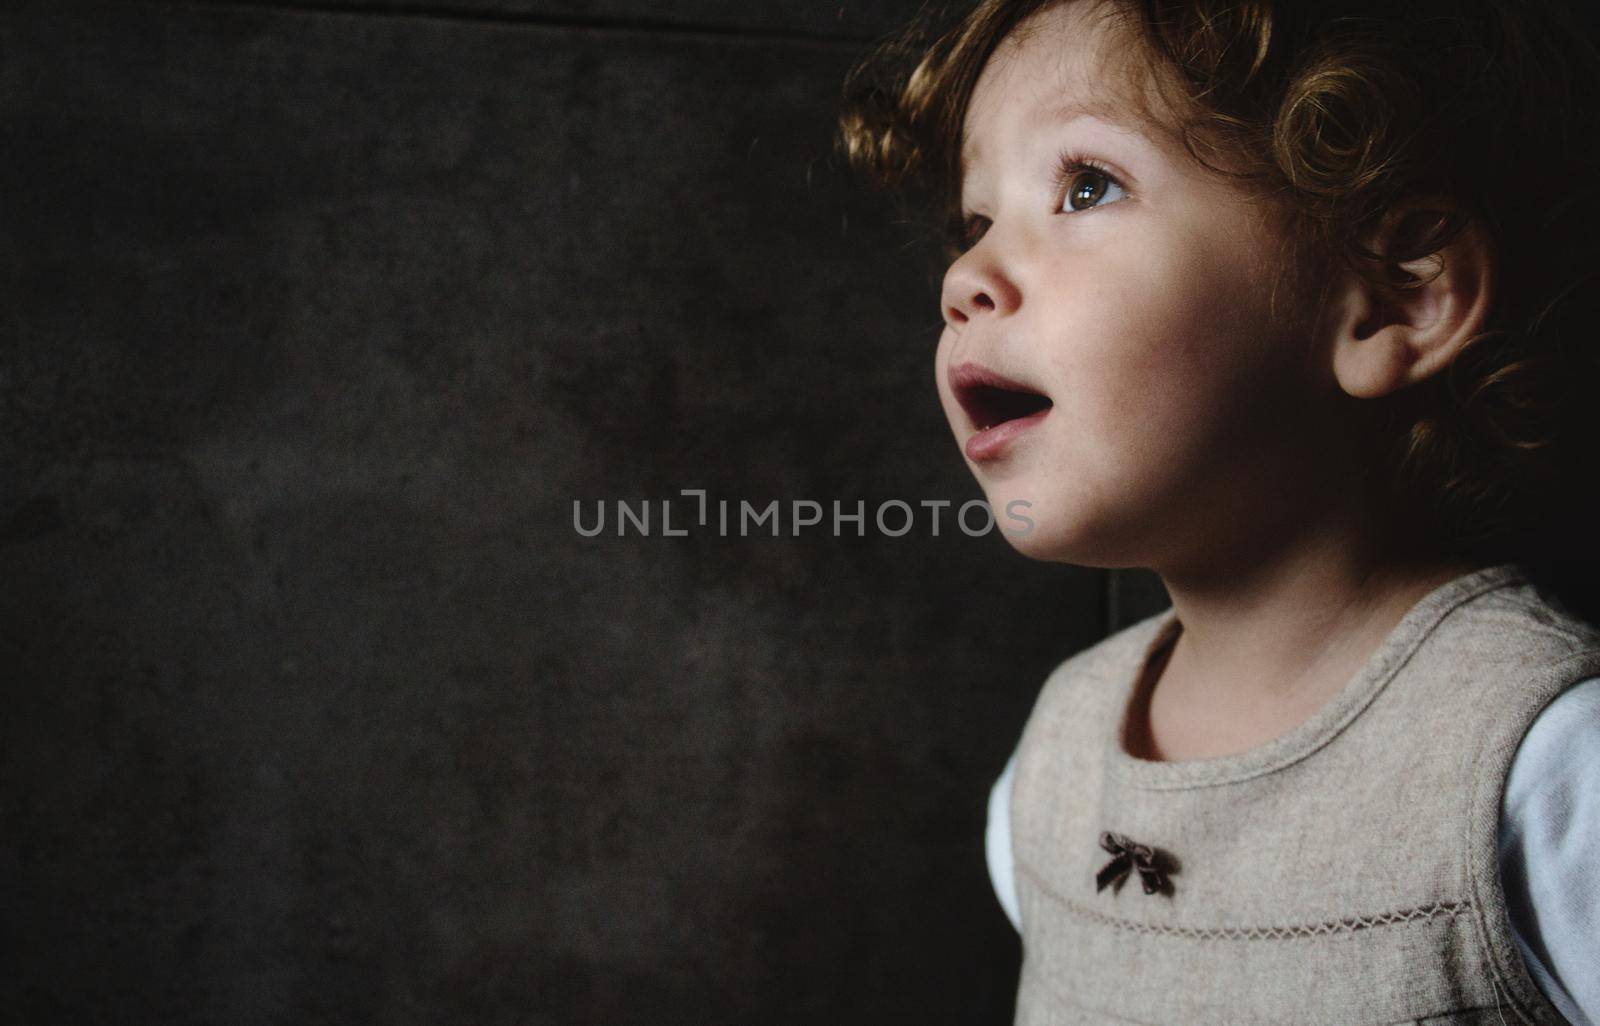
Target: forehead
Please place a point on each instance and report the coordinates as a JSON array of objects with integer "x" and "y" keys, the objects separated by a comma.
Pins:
[{"x": 1068, "y": 60}]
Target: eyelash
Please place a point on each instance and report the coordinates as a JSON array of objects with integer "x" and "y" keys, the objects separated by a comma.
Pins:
[
  {"x": 1068, "y": 168},
  {"x": 1071, "y": 166}
]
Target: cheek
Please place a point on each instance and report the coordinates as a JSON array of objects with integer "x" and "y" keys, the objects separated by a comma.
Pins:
[
  {"x": 1174, "y": 355},
  {"x": 1188, "y": 323},
  {"x": 941, "y": 370}
]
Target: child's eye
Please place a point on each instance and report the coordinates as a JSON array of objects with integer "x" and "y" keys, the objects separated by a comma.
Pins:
[
  {"x": 968, "y": 231},
  {"x": 1082, "y": 183},
  {"x": 1086, "y": 185}
]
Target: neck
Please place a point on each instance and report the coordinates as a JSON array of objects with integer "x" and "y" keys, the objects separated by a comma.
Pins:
[
  {"x": 1268, "y": 640},
  {"x": 1298, "y": 592},
  {"x": 1276, "y": 630}
]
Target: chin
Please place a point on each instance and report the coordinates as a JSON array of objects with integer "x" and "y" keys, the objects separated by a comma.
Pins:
[
  {"x": 1035, "y": 529},
  {"x": 1040, "y": 546},
  {"x": 1062, "y": 531}
]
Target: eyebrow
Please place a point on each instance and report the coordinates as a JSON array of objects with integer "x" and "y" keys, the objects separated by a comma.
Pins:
[{"x": 1062, "y": 113}]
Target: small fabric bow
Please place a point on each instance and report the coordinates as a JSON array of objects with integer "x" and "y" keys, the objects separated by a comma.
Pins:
[{"x": 1128, "y": 855}]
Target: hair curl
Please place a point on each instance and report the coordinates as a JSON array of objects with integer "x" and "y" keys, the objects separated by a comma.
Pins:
[{"x": 1382, "y": 130}]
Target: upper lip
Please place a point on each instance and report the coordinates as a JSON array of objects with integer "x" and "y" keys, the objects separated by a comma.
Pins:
[{"x": 990, "y": 398}]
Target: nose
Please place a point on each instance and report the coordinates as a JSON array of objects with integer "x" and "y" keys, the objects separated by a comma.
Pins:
[{"x": 975, "y": 286}]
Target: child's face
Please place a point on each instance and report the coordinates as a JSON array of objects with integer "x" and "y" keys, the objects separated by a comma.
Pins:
[{"x": 1136, "y": 302}]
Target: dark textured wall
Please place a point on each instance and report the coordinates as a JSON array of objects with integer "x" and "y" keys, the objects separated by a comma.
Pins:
[{"x": 317, "y": 709}]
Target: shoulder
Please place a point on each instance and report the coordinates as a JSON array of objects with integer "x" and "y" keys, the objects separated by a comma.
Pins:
[
  {"x": 1515, "y": 623},
  {"x": 1507, "y": 654},
  {"x": 1078, "y": 708},
  {"x": 997, "y": 844},
  {"x": 1498, "y": 662},
  {"x": 1560, "y": 752},
  {"x": 1549, "y": 849},
  {"x": 1102, "y": 671},
  {"x": 1513, "y": 663}
]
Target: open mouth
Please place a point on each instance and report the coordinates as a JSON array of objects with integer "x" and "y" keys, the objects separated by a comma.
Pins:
[{"x": 991, "y": 400}]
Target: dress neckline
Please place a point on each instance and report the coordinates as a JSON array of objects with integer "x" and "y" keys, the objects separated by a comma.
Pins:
[{"x": 1162, "y": 630}]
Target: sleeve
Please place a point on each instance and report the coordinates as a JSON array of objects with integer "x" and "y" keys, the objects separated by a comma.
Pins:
[
  {"x": 997, "y": 844},
  {"x": 1549, "y": 843}
]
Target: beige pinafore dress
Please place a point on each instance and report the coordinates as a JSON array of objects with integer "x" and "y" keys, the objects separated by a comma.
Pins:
[{"x": 1343, "y": 873}]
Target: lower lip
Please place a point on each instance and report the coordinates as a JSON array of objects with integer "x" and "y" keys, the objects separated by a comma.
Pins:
[{"x": 991, "y": 443}]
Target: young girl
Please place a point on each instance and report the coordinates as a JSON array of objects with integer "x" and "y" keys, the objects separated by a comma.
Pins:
[{"x": 1293, "y": 304}]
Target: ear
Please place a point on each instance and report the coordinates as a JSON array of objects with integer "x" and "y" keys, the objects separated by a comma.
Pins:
[{"x": 1384, "y": 340}]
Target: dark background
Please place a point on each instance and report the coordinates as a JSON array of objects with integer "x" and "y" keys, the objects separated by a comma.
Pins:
[{"x": 316, "y": 320}]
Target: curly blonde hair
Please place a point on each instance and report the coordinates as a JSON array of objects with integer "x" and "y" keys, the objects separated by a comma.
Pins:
[{"x": 1381, "y": 130}]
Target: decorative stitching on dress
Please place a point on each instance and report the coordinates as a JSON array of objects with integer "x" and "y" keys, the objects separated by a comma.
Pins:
[{"x": 1338, "y": 926}]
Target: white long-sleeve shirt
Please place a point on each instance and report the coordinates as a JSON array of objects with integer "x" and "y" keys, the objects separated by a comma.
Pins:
[{"x": 1549, "y": 841}]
